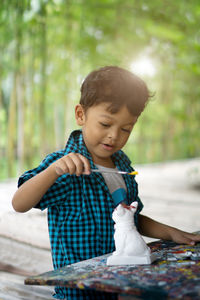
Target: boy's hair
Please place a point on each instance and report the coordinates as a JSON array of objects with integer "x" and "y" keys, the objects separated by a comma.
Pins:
[{"x": 116, "y": 86}]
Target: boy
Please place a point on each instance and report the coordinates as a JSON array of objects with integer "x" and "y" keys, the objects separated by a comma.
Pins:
[{"x": 80, "y": 203}]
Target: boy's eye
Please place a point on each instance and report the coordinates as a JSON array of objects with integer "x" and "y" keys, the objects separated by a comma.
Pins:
[
  {"x": 126, "y": 130},
  {"x": 104, "y": 124}
]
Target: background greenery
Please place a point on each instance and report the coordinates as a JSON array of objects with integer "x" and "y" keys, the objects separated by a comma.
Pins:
[{"x": 47, "y": 47}]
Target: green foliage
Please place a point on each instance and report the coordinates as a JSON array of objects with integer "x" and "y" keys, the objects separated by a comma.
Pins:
[{"x": 48, "y": 47}]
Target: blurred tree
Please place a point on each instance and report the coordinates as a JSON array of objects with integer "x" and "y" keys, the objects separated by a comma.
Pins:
[{"x": 47, "y": 47}]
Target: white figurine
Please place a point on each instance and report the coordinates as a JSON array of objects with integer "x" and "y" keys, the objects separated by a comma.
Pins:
[{"x": 130, "y": 246}]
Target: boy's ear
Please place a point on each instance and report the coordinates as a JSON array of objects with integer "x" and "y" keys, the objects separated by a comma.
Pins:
[{"x": 79, "y": 115}]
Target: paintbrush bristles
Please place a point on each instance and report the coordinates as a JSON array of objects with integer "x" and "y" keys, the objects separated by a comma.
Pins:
[{"x": 133, "y": 173}]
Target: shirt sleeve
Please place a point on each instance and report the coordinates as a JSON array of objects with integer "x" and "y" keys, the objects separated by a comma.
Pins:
[
  {"x": 140, "y": 204},
  {"x": 139, "y": 209},
  {"x": 57, "y": 193}
]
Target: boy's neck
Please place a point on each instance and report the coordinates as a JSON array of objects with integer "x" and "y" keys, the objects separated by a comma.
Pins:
[
  {"x": 107, "y": 164},
  {"x": 104, "y": 167}
]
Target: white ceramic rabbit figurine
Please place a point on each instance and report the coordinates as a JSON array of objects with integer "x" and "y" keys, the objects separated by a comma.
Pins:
[{"x": 130, "y": 246}]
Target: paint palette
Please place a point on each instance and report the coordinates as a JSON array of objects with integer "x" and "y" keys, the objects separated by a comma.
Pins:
[{"x": 174, "y": 275}]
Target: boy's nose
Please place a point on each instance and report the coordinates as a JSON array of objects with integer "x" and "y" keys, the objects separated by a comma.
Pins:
[{"x": 113, "y": 134}]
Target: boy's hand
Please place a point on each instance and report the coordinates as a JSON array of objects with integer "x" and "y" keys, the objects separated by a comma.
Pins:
[
  {"x": 182, "y": 237},
  {"x": 152, "y": 228},
  {"x": 72, "y": 163}
]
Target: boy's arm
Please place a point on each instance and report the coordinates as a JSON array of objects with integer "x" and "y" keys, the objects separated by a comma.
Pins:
[
  {"x": 154, "y": 229},
  {"x": 32, "y": 191}
]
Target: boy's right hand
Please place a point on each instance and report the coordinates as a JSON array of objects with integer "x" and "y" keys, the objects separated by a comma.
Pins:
[{"x": 72, "y": 163}]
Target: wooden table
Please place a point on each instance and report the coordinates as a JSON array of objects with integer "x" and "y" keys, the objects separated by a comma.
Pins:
[{"x": 175, "y": 275}]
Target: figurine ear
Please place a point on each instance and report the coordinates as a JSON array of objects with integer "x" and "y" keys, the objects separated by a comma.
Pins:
[{"x": 134, "y": 205}]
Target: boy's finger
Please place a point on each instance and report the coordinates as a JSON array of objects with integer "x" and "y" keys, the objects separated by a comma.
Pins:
[
  {"x": 61, "y": 167},
  {"x": 85, "y": 163},
  {"x": 190, "y": 238},
  {"x": 188, "y": 241},
  {"x": 59, "y": 170},
  {"x": 78, "y": 163},
  {"x": 195, "y": 237},
  {"x": 70, "y": 165}
]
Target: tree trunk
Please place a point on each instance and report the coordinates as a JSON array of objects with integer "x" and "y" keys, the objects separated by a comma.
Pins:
[
  {"x": 11, "y": 135},
  {"x": 42, "y": 103}
]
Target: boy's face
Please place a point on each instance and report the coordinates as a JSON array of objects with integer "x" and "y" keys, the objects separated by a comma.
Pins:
[{"x": 104, "y": 133}]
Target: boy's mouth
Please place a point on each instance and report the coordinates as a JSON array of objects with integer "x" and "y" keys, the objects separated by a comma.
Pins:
[{"x": 108, "y": 147}]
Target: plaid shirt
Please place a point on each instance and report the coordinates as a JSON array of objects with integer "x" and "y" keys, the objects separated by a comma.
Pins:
[{"x": 80, "y": 212}]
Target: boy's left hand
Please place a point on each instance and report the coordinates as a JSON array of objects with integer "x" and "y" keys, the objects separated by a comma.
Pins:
[{"x": 182, "y": 237}]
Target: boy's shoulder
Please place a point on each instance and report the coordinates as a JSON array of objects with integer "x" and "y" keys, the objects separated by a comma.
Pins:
[
  {"x": 75, "y": 140},
  {"x": 51, "y": 157}
]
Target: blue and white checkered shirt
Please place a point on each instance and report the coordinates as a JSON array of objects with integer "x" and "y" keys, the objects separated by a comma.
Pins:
[{"x": 80, "y": 212}]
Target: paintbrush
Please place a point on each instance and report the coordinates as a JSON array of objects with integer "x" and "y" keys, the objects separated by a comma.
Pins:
[{"x": 114, "y": 171}]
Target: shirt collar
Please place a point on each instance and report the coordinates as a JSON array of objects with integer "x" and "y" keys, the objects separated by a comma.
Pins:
[{"x": 76, "y": 144}]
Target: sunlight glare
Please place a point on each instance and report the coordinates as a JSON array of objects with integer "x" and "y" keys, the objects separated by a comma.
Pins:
[{"x": 143, "y": 66}]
